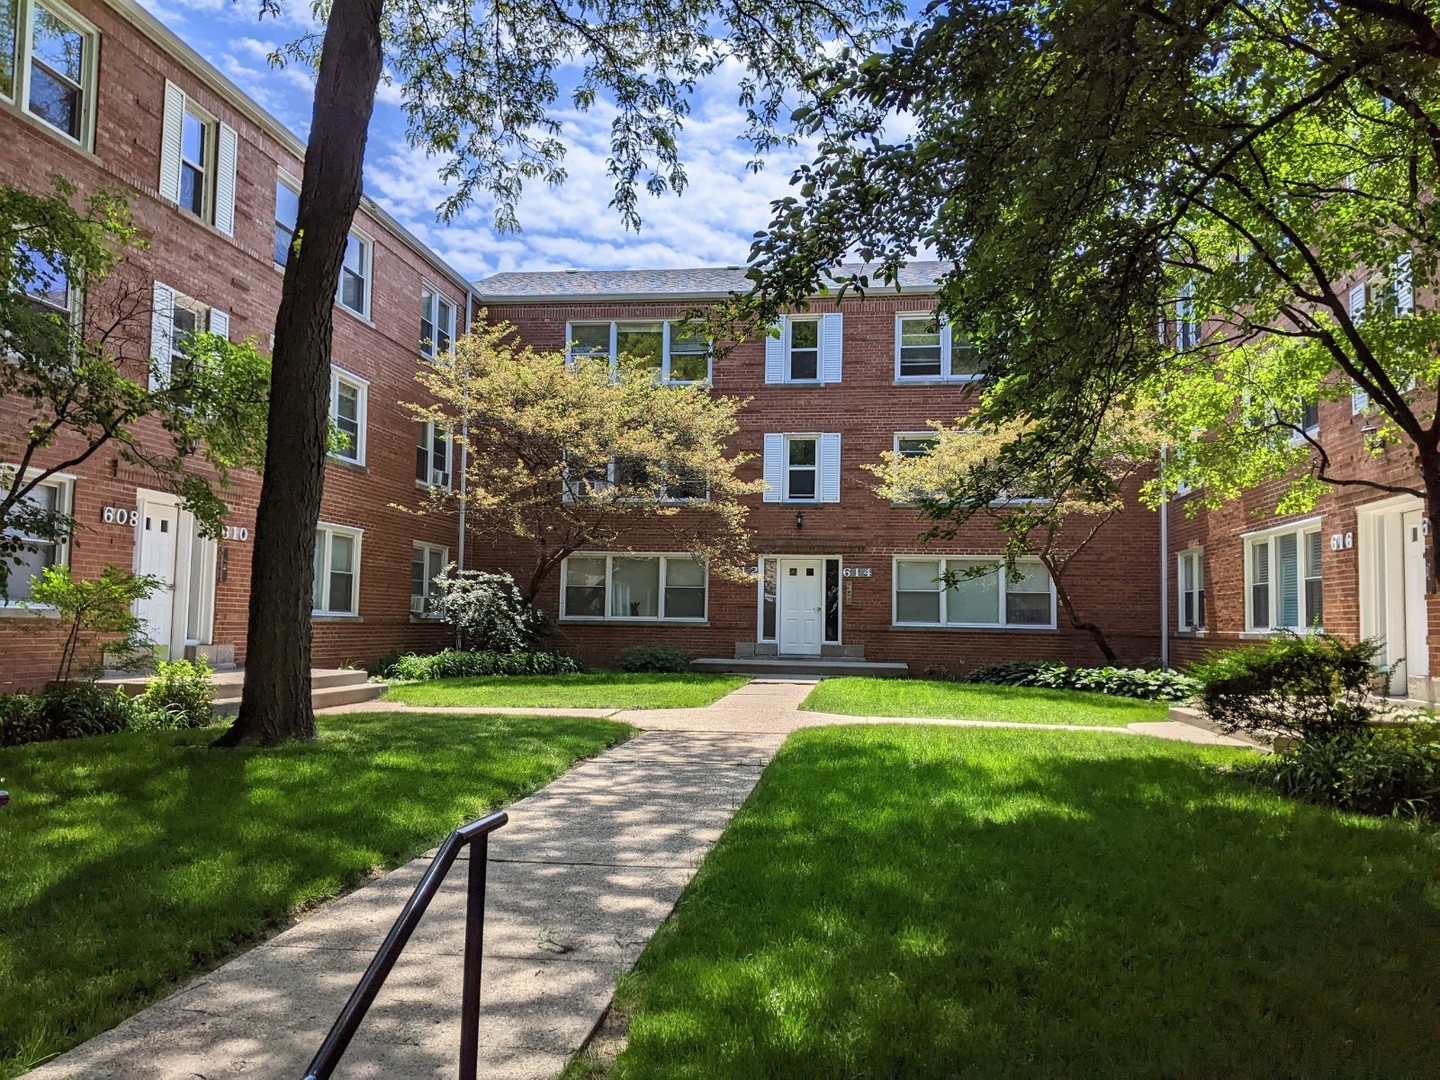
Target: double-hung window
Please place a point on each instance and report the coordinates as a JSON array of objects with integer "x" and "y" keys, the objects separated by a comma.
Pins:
[
  {"x": 348, "y": 405},
  {"x": 928, "y": 349},
  {"x": 1283, "y": 579},
  {"x": 675, "y": 350},
  {"x": 1190, "y": 578},
  {"x": 980, "y": 594},
  {"x": 1187, "y": 326},
  {"x": 437, "y": 322},
  {"x": 198, "y": 161},
  {"x": 354, "y": 291},
  {"x": 642, "y": 481},
  {"x": 45, "y": 502},
  {"x": 48, "y": 64},
  {"x": 802, "y": 468},
  {"x": 805, "y": 349},
  {"x": 426, "y": 562},
  {"x": 641, "y": 587},
  {"x": 432, "y": 455},
  {"x": 46, "y": 282},
  {"x": 287, "y": 212},
  {"x": 175, "y": 320},
  {"x": 802, "y": 350},
  {"x": 337, "y": 570},
  {"x": 914, "y": 444}
]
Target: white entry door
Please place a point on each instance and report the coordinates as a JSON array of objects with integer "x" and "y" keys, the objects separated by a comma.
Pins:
[
  {"x": 159, "y": 528},
  {"x": 802, "y": 606},
  {"x": 1417, "y": 651}
]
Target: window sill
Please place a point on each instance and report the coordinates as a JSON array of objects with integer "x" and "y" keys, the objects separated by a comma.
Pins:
[
  {"x": 938, "y": 381},
  {"x": 333, "y": 617},
  {"x": 1193, "y": 631},
  {"x": 355, "y": 315},
  {"x": 15, "y": 611},
  {"x": 357, "y": 466},
  {"x": 426, "y": 620},
  {"x": 1279, "y": 631},
  {"x": 433, "y": 487},
  {"x": 581, "y": 620},
  {"x": 931, "y": 628},
  {"x": 74, "y": 145}
]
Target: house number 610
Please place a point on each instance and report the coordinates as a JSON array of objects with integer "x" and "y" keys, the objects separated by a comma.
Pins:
[{"x": 118, "y": 515}]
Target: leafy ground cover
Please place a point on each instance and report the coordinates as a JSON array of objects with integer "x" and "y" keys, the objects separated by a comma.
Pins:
[
  {"x": 591, "y": 690},
  {"x": 132, "y": 861},
  {"x": 922, "y": 901},
  {"x": 929, "y": 698}
]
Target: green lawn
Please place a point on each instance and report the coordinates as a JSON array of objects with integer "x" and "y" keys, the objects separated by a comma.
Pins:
[
  {"x": 133, "y": 861},
  {"x": 592, "y": 690},
  {"x": 991, "y": 904},
  {"x": 962, "y": 701}
]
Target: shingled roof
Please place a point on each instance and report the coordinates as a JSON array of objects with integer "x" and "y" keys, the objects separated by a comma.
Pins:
[{"x": 695, "y": 283}]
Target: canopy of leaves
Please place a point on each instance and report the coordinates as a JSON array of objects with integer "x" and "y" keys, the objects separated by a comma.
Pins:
[
  {"x": 566, "y": 455},
  {"x": 1084, "y": 164},
  {"x": 76, "y": 380}
]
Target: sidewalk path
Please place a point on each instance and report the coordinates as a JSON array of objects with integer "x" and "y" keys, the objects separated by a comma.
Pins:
[{"x": 579, "y": 881}]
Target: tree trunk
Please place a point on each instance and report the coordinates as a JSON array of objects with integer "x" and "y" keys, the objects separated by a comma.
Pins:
[
  {"x": 1062, "y": 594},
  {"x": 275, "y": 703}
]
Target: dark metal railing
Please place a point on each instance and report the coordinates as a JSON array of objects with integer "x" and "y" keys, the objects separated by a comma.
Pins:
[{"x": 348, "y": 1022}]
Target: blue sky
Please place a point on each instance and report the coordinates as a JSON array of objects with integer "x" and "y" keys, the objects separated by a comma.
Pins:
[{"x": 711, "y": 223}]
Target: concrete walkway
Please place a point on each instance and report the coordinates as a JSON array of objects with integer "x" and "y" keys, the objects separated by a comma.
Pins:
[{"x": 580, "y": 879}]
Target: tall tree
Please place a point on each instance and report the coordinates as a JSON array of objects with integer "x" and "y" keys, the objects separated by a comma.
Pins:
[
  {"x": 564, "y": 454},
  {"x": 77, "y": 380},
  {"x": 1154, "y": 206},
  {"x": 481, "y": 87}
]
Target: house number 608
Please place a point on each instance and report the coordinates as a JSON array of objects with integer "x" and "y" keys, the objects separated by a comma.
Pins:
[{"x": 118, "y": 515}]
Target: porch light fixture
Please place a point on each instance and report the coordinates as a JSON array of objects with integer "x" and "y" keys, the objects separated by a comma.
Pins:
[{"x": 799, "y": 519}]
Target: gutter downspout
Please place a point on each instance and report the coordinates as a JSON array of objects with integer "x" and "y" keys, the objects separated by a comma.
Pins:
[{"x": 1164, "y": 569}]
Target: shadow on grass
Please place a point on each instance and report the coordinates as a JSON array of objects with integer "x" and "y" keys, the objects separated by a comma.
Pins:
[
  {"x": 133, "y": 861},
  {"x": 927, "y": 902}
]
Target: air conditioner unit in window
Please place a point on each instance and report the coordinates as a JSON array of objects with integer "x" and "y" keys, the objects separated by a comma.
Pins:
[
  {"x": 439, "y": 478},
  {"x": 419, "y": 605}
]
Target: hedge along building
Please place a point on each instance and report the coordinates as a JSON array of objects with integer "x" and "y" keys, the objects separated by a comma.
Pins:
[
  {"x": 839, "y": 574},
  {"x": 105, "y": 96}
]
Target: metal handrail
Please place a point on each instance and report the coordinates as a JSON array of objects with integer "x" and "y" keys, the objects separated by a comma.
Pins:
[{"x": 348, "y": 1022}]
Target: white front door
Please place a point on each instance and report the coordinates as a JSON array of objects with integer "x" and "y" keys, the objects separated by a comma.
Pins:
[
  {"x": 1417, "y": 651},
  {"x": 802, "y": 606},
  {"x": 158, "y": 528}
]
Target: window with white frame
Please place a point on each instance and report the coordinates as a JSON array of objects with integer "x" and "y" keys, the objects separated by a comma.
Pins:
[
  {"x": 426, "y": 562},
  {"x": 678, "y": 353},
  {"x": 806, "y": 349},
  {"x": 1190, "y": 579},
  {"x": 337, "y": 570},
  {"x": 52, "y": 497},
  {"x": 1187, "y": 326},
  {"x": 198, "y": 161},
  {"x": 432, "y": 455},
  {"x": 48, "y": 60},
  {"x": 354, "y": 291},
  {"x": 928, "y": 349},
  {"x": 175, "y": 320},
  {"x": 802, "y": 468},
  {"x": 1283, "y": 580},
  {"x": 46, "y": 282},
  {"x": 437, "y": 322},
  {"x": 642, "y": 587},
  {"x": 287, "y": 212},
  {"x": 914, "y": 444},
  {"x": 349, "y": 402},
  {"x": 979, "y": 594},
  {"x": 656, "y": 482}
]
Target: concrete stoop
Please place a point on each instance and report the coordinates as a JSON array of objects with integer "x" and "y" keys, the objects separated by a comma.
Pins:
[{"x": 328, "y": 687}]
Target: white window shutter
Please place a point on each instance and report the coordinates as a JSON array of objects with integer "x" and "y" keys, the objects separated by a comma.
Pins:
[
  {"x": 171, "y": 133},
  {"x": 220, "y": 323},
  {"x": 1357, "y": 303},
  {"x": 1404, "y": 285},
  {"x": 162, "y": 327},
  {"x": 774, "y": 470},
  {"x": 226, "y": 155},
  {"x": 1359, "y": 401},
  {"x": 830, "y": 467},
  {"x": 832, "y": 342},
  {"x": 775, "y": 354}
]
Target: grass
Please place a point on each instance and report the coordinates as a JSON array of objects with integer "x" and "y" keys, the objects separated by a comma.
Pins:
[
  {"x": 133, "y": 861},
  {"x": 990, "y": 904},
  {"x": 930, "y": 699},
  {"x": 592, "y": 690}
]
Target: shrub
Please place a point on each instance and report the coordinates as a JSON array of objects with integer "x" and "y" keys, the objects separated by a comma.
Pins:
[
  {"x": 656, "y": 658},
  {"x": 456, "y": 664},
  {"x": 179, "y": 695},
  {"x": 1118, "y": 682},
  {"x": 98, "y": 616},
  {"x": 1307, "y": 687},
  {"x": 1384, "y": 771},
  {"x": 69, "y": 711},
  {"x": 488, "y": 610}
]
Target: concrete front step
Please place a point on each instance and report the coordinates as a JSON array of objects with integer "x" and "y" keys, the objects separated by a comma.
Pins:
[
  {"x": 821, "y": 666},
  {"x": 328, "y": 687}
]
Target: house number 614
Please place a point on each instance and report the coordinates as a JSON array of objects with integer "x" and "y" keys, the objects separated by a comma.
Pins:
[{"x": 118, "y": 515}]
